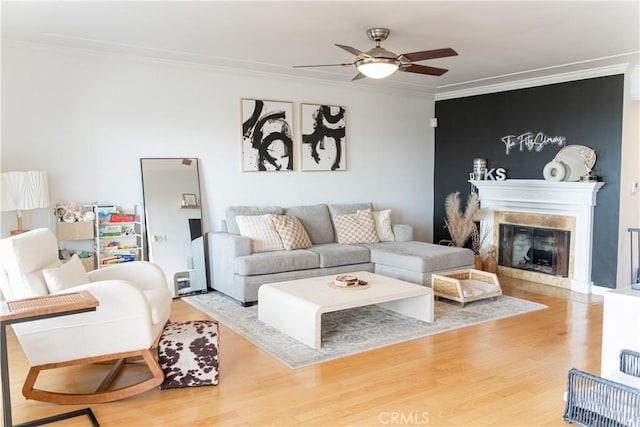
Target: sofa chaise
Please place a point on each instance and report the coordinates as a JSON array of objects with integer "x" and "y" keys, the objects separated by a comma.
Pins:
[{"x": 238, "y": 270}]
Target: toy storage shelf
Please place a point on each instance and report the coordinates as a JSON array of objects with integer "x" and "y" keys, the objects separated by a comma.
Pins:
[
  {"x": 78, "y": 237},
  {"x": 118, "y": 236}
]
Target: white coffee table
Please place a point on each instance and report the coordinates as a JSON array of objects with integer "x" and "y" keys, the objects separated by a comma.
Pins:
[{"x": 295, "y": 307}]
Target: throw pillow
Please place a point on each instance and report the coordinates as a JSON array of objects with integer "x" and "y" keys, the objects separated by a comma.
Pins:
[
  {"x": 292, "y": 232},
  {"x": 68, "y": 275},
  {"x": 356, "y": 228},
  {"x": 260, "y": 229},
  {"x": 382, "y": 220}
]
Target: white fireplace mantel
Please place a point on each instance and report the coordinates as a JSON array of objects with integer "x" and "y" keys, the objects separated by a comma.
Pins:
[{"x": 575, "y": 199}]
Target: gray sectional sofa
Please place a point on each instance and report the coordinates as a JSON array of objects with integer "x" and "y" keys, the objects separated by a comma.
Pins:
[{"x": 238, "y": 273}]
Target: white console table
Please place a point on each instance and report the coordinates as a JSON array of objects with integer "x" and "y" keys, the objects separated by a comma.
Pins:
[{"x": 620, "y": 330}]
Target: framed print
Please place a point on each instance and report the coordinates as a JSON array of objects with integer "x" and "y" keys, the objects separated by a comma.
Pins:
[
  {"x": 323, "y": 137},
  {"x": 189, "y": 200},
  {"x": 267, "y": 142}
]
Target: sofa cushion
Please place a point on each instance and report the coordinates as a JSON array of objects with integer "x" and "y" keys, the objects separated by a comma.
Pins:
[
  {"x": 382, "y": 220},
  {"x": 276, "y": 262},
  {"x": 356, "y": 228},
  {"x": 68, "y": 275},
  {"x": 316, "y": 220},
  {"x": 474, "y": 288},
  {"x": 334, "y": 255},
  {"x": 345, "y": 208},
  {"x": 291, "y": 231},
  {"x": 232, "y": 211},
  {"x": 261, "y": 231},
  {"x": 420, "y": 256},
  {"x": 23, "y": 258},
  {"x": 348, "y": 208}
]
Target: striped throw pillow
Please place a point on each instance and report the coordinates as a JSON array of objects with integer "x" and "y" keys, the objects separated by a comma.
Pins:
[
  {"x": 356, "y": 228},
  {"x": 292, "y": 232},
  {"x": 260, "y": 229}
]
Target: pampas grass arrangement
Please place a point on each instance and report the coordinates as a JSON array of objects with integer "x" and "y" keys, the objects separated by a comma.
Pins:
[{"x": 461, "y": 225}]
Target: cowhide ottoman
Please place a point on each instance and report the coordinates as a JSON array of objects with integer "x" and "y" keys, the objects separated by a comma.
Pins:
[{"x": 188, "y": 354}]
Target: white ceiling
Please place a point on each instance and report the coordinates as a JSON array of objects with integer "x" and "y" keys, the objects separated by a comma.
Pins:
[{"x": 496, "y": 41}]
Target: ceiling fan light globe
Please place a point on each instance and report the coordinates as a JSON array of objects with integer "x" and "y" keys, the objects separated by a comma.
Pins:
[{"x": 377, "y": 69}]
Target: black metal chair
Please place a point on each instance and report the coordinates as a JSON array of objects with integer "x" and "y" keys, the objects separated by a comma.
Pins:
[{"x": 599, "y": 402}]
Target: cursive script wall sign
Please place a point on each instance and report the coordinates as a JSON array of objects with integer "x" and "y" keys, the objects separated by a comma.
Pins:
[{"x": 531, "y": 142}]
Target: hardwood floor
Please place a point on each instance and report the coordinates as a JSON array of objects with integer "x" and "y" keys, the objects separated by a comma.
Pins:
[{"x": 507, "y": 372}]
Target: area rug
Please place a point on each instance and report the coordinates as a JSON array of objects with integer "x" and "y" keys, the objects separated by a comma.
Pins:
[{"x": 356, "y": 330}]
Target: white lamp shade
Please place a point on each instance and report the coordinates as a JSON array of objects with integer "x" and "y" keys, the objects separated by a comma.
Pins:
[
  {"x": 24, "y": 190},
  {"x": 377, "y": 70}
]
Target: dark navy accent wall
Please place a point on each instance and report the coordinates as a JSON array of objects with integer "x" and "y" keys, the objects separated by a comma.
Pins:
[{"x": 585, "y": 112}]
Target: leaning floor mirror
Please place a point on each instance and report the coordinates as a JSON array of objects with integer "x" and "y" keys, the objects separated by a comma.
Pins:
[{"x": 173, "y": 218}]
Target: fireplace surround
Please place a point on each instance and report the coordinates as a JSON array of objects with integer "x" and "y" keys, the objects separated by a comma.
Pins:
[{"x": 566, "y": 206}]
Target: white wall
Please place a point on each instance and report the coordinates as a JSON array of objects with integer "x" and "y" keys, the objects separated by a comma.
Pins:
[
  {"x": 88, "y": 118},
  {"x": 629, "y": 174}
]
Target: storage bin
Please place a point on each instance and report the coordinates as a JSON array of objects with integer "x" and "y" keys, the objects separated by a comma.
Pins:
[{"x": 82, "y": 230}]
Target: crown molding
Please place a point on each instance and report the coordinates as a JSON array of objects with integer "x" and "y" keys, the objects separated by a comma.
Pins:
[
  {"x": 608, "y": 70},
  {"x": 406, "y": 90},
  {"x": 399, "y": 89}
]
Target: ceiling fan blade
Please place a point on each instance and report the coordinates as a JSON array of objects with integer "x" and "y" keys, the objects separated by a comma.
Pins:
[
  {"x": 322, "y": 65},
  {"x": 358, "y": 77},
  {"x": 430, "y": 54},
  {"x": 352, "y": 50},
  {"x": 423, "y": 69}
]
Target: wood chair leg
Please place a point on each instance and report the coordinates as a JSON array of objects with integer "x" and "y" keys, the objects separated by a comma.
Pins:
[
  {"x": 101, "y": 395},
  {"x": 111, "y": 376}
]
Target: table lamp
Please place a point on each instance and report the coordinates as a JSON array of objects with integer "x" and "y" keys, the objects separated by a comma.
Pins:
[{"x": 24, "y": 191}]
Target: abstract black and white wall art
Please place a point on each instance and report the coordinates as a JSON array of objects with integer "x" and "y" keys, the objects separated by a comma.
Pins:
[
  {"x": 323, "y": 138},
  {"x": 267, "y": 142}
]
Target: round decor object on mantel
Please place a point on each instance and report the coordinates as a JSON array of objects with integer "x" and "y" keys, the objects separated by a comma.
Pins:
[
  {"x": 572, "y": 163},
  {"x": 554, "y": 171},
  {"x": 578, "y": 160}
]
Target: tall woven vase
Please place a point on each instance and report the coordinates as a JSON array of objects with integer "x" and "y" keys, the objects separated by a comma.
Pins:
[{"x": 491, "y": 264}]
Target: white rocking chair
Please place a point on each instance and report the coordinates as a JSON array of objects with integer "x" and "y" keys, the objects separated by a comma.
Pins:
[{"x": 134, "y": 306}]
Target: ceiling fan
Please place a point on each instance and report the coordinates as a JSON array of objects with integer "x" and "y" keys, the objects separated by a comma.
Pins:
[{"x": 378, "y": 63}]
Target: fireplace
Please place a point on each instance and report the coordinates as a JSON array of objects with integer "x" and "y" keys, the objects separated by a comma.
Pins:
[
  {"x": 542, "y": 250},
  {"x": 566, "y": 206}
]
